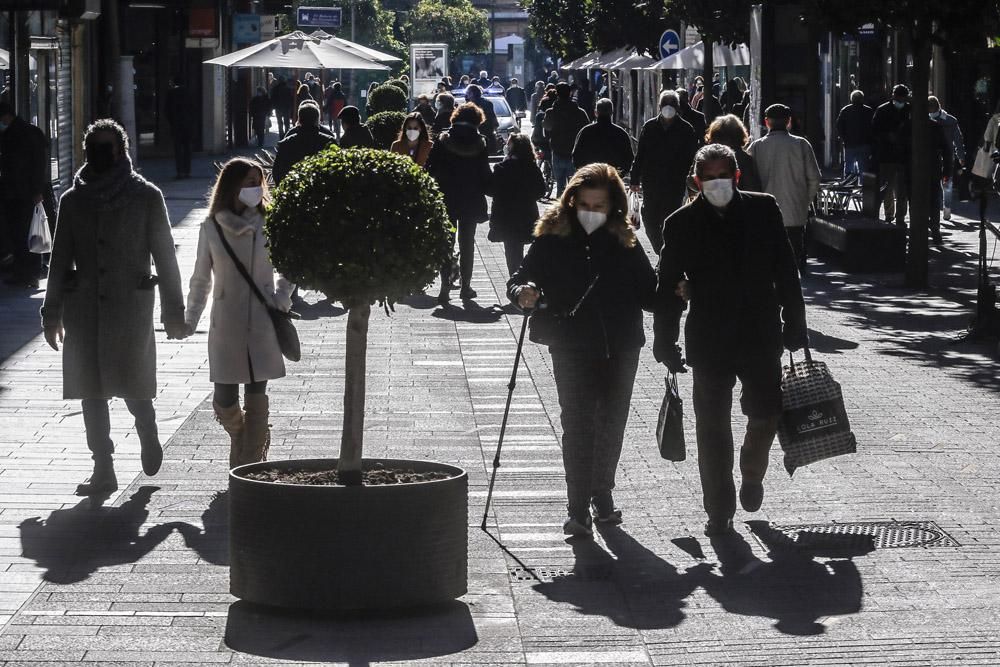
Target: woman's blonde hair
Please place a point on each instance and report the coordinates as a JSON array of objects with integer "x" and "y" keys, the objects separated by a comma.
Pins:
[
  {"x": 559, "y": 218},
  {"x": 230, "y": 180}
]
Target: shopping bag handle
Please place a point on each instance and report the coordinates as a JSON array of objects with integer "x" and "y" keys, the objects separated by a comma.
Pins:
[{"x": 806, "y": 351}]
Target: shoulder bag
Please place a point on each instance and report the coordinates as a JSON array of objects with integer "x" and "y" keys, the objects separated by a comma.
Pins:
[{"x": 288, "y": 337}]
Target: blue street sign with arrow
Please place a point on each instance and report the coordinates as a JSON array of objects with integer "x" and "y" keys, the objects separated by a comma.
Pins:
[
  {"x": 319, "y": 17},
  {"x": 670, "y": 43}
]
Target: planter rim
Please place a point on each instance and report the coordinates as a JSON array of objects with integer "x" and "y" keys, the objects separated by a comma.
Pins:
[{"x": 237, "y": 473}]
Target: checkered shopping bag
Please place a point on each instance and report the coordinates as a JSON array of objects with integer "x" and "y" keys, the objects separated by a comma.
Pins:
[{"x": 814, "y": 424}]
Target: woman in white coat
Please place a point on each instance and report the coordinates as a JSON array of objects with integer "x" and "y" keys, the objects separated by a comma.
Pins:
[{"x": 242, "y": 346}]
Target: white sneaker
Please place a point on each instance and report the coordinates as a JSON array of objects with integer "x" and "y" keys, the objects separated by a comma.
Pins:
[{"x": 947, "y": 214}]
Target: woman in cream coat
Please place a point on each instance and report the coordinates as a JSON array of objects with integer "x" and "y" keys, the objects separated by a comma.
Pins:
[{"x": 242, "y": 346}]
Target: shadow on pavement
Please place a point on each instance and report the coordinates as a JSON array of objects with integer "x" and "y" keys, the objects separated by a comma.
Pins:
[
  {"x": 357, "y": 638},
  {"x": 791, "y": 588},
  {"x": 469, "y": 312},
  {"x": 19, "y": 318},
  {"x": 211, "y": 542},
  {"x": 314, "y": 311},
  {"x": 72, "y": 544}
]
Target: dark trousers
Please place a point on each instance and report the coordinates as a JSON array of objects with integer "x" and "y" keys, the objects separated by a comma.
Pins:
[
  {"x": 594, "y": 399},
  {"x": 182, "y": 155},
  {"x": 513, "y": 252},
  {"x": 466, "y": 254},
  {"x": 655, "y": 210},
  {"x": 17, "y": 221},
  {"x": 797, "y": 237},
  {"x": 760, "y": 401},
  {"x": 97, "y": 423},
  {"x": 893, "y": 176},
  {"x": 228, "y": 395},
  {"x": 934, "y": 221},
  {"x": 284, "y": 122}
]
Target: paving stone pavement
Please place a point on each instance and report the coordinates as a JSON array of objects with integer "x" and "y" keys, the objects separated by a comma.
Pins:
[{"x": 143, "y": 580}]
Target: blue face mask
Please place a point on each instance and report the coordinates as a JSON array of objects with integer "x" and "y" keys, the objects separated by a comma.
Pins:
[{"x": 3, "y": 126}]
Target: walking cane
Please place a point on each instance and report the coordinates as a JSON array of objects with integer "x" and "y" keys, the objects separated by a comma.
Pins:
[{"x": 506, "y": 413}]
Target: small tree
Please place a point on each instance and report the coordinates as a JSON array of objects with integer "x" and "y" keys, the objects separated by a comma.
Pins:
[
  {"x": 560, "y": 25},
  {"x": 385, "y": 127},
  {"x": 362, "y": 226},
  {"x": 399, "y": 84},
  {"x": 456, "y": 22},
  {"x": 386, "y": 98}
]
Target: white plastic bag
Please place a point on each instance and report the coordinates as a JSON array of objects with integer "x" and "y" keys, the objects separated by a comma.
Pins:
[
  {"x": 635, "y": 210},
  {"x": 39, "y": 237}
]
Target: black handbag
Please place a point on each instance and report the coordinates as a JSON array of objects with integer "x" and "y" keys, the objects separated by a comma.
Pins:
[
  {"x": 288, "y": 337},
  {"x": 670, "y": 425}
]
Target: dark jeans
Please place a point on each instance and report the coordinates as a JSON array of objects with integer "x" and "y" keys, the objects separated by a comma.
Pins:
[
  {"x": 228, "y": 395},
  {"x": 896, "y": 195},
  {"x": 513, "y": 252},
  {"x": 16, "y": 218},
  {"x": 182, "y": 155},
  {"x": 594, "y": 398},
  {"x": 797, "y": 237},
  {"x": 655, "y": 210},
  {"x": 760, "y": 400},
  {"x": 466, "y": 254},
  {"x": 97, "y": 423}
]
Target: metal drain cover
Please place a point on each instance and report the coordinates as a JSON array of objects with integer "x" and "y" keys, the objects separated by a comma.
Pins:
[
  {"x": 552, "y": 573},
  {"x": 855, "y": 537}
]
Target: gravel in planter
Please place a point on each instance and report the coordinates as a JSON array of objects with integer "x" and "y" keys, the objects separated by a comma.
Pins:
[{"x": 371, "y": 477}]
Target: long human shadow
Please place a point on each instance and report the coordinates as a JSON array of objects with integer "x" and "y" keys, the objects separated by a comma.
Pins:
[
  {"x": 314, "y": 311},
  {"x": 211, "y": 541},
  {"x": 634, "y": 588},
  {"x": 71, "y": 544},
  {"x": 469, "y": 312},
  {"x": 358, "y": 638},
  {"x": 792, "y": 588}
]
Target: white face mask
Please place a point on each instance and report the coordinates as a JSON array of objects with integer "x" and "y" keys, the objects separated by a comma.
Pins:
[
  {"x": 718, "y": 191},
  {"x": 413, "y": 135},
  {"x": 899, "y": 105},
  {"x": 935, "y": 115},
  {"x": 668, "y": 112},
  {"x": 591, "y": 220},
  {"x": 252, "y": 196}
]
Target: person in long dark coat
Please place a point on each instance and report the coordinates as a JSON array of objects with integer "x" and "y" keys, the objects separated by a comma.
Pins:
[
  {"x": 604, "y": 141},
  {"x": 24, "y": 183},
  {"x": 307, "y": 138},
  {"x": 459, "y": 162},
  {"x": 99, "y": 297},
  {"x": 356, "y": 134},
  {"x": 181, "y": 115},
  {"x": 587, "y": 269},
  {"x": 516, "y": 188},
  {"x": 260, "y": 109}
]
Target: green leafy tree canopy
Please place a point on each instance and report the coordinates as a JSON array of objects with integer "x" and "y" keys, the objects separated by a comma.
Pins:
[
  {"x": 454, "y": 22},
  {"x": 561, "y": 25}
]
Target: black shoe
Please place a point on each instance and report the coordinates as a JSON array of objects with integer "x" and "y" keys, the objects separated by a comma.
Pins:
[
  {"x": 579, "y": 526},
  {"x": 717, "y": 527},
  {"x": 936, "y": 239},
  {"x": 604, "y": 509},
  {"x": 468, "y": 293},
  {"x": 152, "y": 454},
  {"x": 751, "y": 495},
  {"x": 102, "y": 481}
]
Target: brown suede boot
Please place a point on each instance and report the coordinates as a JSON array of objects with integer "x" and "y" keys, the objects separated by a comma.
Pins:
[
  {"x": 257, "y": 438},
  {"x": 232, "y": 420}
]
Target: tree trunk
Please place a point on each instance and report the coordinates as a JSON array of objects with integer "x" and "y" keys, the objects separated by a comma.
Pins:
[
  {"x": 920, "y": 180},
  {"x": 352, "y": 437},
  {"x": 708, "y": 107}
]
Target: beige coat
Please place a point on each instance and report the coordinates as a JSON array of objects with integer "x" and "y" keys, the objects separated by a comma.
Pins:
[
  {"x": 240, "y": 334},
  {"x": 789, "y": 171}
]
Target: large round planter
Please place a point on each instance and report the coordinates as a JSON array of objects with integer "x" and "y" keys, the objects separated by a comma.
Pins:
[{"x": 344, "y": 548}]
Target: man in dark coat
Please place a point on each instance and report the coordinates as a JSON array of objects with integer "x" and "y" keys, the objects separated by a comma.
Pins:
[
  {"x": 666, "y": 149},
  {"x": 728, "y": 255},
  {"x": 694, "y": 117},
  {"x": 891, "y": 135},
  {"x": 489, "y": 127},
  {"x": 281, "y": 101},
  {"x": 854, "y": 125},
  {"x": 562, "y": 122},
  {"x": 516, "y": 97},
  {"x": 260, "y": 109},
  {"x": 307, "y": 138},
  {"x": 942, "y": 153},
  {"x": 603, "y": 141},
  {"x": 356, "y": 134},
  {"x": 181, "y": 116},
  {"x": 24, "y": 179}
]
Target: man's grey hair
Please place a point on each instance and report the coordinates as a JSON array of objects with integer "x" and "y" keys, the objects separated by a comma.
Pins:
[
  {"x": 605, "y": 107},
  {"x": 107, "y": 125},
  {"x": 668, "y": 96},
  {"x": 711, "y": 153},
  {"x": 857, "y": 97}
]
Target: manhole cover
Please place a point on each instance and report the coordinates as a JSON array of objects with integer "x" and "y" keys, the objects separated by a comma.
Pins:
[
  {"x": 859, "y": 536},
  {"x": 552, "y": 573}
]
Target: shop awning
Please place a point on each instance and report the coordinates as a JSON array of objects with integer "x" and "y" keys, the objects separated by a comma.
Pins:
[
  {"x": 623, "y": 58},
  {"x": 297, "y": 51},
  {"x": 693, "y": 57},
  {"x": 363, "y": 51},
  {"x": 582, "y": 61}
]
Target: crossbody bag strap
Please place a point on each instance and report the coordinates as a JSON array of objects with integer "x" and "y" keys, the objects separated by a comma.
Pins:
[{"x": 239, "y": 265}]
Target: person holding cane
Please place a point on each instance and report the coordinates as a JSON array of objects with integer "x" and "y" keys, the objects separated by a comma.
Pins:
[{"x": 587, "y": 280}]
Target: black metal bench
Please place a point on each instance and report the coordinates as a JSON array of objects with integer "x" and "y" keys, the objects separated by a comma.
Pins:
[{"x": 862, "y": 243}]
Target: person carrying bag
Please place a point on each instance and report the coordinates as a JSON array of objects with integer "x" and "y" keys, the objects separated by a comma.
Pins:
[{"x": 250, "y": 326}]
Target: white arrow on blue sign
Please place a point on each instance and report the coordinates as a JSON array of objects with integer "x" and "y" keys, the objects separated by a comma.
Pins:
[{"x": 670, "y": 43}]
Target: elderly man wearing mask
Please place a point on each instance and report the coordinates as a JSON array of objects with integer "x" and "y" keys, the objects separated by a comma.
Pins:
[{"x": 667, "y": 146}]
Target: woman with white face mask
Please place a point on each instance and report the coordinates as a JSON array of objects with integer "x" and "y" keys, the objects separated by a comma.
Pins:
[
  {"x": 413, "y": 139},
  {"x": 588, "y": 280},
  {"x": 242, "y": 345}
]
